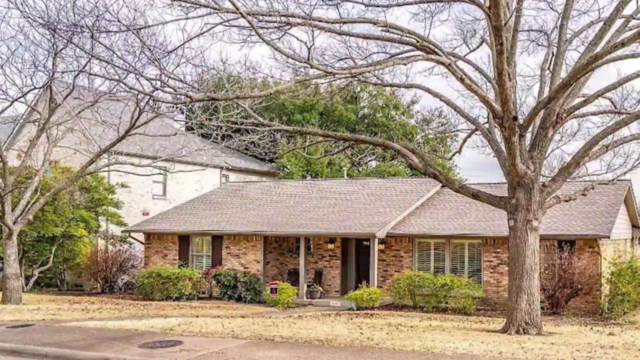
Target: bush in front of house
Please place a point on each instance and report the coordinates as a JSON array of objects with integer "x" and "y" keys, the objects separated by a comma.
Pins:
[
  {"x": 286, "y": 297},
  {"x": 435, "y": 292},
  {"x": 238, "y": 286},
  {"x": 227, "y": 282},
  {"x": 365, "y": 297},
  {"x": 250, "y": 288},
  {"x": 623, "y": 283},
  {"x": 163, "y": 283},
  {"x": 573, "y": 276}
]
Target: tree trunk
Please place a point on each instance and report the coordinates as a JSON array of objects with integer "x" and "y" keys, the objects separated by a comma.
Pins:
[
  {"x": 12, "y": 293},
  {"x": 525, "y": 214}
]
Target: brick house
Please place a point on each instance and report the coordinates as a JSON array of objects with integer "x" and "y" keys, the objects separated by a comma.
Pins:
[{"x": 369, "y": 230}]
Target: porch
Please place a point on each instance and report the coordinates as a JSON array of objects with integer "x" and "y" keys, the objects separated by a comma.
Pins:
[{"x": 337, "y": 265}]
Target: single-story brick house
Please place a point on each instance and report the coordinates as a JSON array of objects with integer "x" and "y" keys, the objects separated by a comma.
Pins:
[{"x": 369, "y": 230}]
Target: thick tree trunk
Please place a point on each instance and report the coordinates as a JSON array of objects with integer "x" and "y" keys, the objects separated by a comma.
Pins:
[
  {"x": 525, "y": 215},
  {"x": 12, "y": 292}
]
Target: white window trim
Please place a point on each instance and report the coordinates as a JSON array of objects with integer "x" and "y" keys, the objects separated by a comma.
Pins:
[
  {"x": 447, "y": 254},
  {"x": 165, "y": 180},
  {"x": 191, "y": 250}
]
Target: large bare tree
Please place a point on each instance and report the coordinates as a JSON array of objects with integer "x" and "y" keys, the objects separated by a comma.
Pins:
[
  {"x": 546, "y": 87},
  {"x": 78, "y": 79}
]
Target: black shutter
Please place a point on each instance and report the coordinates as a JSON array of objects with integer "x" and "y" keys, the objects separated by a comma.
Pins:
[
  {"x": 216, "y": 251},
  {"x": 183, "y": 249}
]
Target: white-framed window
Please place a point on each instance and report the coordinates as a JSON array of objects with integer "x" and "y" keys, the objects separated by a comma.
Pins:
[
  {"x": 458, "y": 257},
  {"x": 431, "y": 256},
  {"x": 200, "y": 252},
  {"x": 159, "y": 186}
]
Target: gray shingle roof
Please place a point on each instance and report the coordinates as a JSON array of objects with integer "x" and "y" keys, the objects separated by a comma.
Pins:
[
  {"x": 449, "y": 213},
  {"x": 160, "y": 139},
  {"x": 345, "y": 206},
  {"x": 364, "y": 206}
]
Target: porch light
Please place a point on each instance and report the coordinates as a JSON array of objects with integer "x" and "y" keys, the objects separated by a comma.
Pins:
[
  {"x": 332, "y": 244},
  {"x": 382, "y": 243}
]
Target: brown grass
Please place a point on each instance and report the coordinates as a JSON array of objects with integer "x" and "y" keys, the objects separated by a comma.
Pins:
[
  {"x": 56, "y": 307},
  {"x": 410, "y": 331}
]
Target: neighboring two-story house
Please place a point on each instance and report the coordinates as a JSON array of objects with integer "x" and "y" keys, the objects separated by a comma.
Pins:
[{"x": 159, "y": 167}]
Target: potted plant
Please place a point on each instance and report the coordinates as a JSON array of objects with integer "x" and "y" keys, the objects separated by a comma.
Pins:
[{"x": 315, "y": 291}]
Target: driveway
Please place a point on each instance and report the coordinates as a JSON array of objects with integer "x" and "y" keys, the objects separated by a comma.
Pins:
[{"x": 50, "y": 340}]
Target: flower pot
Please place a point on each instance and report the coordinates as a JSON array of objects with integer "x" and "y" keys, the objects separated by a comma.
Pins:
[{"x": 315, "y": 294}]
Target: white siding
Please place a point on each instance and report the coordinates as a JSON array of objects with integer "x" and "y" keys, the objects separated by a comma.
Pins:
[{"x": 622, "y": 229}]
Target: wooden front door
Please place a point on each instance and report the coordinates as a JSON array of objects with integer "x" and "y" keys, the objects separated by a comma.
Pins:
[{"x": 363, "y": 260}]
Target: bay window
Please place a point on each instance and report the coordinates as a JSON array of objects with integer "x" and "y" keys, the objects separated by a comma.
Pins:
[{"x": 457, "y": 257}]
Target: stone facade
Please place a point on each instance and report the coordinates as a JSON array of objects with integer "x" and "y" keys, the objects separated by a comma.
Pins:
[
  {"x": 243, "y": 253},
  {"x": 161, "y": 250},
  {"x": 394, "y": 259}
]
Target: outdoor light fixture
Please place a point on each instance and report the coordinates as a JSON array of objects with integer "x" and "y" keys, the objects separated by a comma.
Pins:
[
  {"x": 332, "y": 244},
  {"x": 382, "y": 243}
]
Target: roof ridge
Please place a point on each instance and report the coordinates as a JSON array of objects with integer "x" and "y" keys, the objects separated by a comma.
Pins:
[{"x": 335, "y": 179}]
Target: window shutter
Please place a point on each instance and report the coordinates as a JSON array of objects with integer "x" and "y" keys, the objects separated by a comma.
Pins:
[
  {"x": 183, "y": 250},
  {"x": 474, "y": 261},
  {"x": 216, "y": 251},
  {"x": 458, "y": 258}
]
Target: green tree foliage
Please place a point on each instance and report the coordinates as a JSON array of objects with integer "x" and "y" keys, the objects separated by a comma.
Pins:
[
  {"x": 60, "y": 233},
  {"x": 353, "y": 108}
]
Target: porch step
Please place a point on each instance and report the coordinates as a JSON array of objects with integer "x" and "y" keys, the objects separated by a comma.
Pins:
[{"x": 339, "y": 303}]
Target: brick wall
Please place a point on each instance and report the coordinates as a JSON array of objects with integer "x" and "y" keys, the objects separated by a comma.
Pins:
[
  {"x": 330, "y": 263},
  {"x": 588, "y": 304},
  {"x": 394, "y": 259},
  {"x": 160, "y": 250},
  {"x": 495, "y": 271},
  {"x": 243, "y": 253},
  {"x": 280, "y": 257}
]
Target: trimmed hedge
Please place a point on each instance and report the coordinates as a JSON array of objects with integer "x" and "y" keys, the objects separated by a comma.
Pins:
[
  {"x": 238, "y": 286},
  {"x": 286, "y": 296},
  {"x": 365, "y": 297},
  {"x": 168, "y": 284},
  {"x": 435, "y": 292}
]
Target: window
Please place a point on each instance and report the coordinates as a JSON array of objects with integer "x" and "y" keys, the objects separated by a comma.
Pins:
[
  {"x": 224, "y": 178},
  {"x": 296, "y": 249},
  {"x": 159, "y": 187},
  {"x": 200, "y": 252},
  {"x": 567, "y": 245},
  {"x": 466, "y": 259},
  {"x": 458, "y": 257},
  {"x": 431, "y": 256}
]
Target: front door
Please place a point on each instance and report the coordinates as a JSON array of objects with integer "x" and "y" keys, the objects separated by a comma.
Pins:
[{"x": 363, "y": 260}]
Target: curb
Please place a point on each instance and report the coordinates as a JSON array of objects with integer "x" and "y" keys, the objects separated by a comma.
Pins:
[{"x": 60, "y": 354}]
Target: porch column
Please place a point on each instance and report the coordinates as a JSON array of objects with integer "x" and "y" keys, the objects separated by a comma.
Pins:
[
  {"x": 303, "y": 269},
  {"x": 373, "y": 265}
]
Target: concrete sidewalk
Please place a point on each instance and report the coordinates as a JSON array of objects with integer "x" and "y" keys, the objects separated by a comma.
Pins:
[{"x": 52, "y": 341}]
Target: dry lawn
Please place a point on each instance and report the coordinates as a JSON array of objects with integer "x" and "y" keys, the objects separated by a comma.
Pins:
[
  {"x": 57, "y": 307},
  {"x": 409, "y": 331}
]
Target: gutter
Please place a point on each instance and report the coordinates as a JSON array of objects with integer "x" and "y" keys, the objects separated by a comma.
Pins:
[
  {"x": 197, "y": 163},
  {"x": 359, "y": 235}
]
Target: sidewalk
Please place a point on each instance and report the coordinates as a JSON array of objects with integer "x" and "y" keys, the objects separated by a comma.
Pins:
[{"x": 50, "y": 340}]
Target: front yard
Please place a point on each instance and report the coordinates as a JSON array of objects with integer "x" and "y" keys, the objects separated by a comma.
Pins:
[
  {"x": 564, "y": 338},
  {"x": 57, "y": 307}
]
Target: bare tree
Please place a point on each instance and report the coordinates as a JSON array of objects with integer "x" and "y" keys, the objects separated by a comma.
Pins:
[
  {"x": 533, "y": 81},
  {"x": 77, "y": 81}
]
